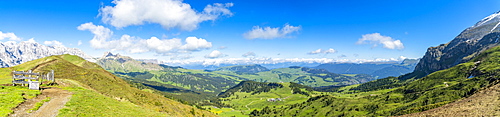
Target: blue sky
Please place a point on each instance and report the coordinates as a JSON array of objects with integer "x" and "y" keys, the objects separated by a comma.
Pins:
[{"x": 225, "y": 29}]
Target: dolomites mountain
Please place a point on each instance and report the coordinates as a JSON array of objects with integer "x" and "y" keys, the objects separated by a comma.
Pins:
[
  {"x": 467, "y": 45},
  {"x": 14, "y": 53},
  {"x": 119, "y": 63}
]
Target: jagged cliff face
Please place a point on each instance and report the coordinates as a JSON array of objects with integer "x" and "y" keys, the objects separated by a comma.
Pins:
[
  {"x": 467, "y": 45},
  {"x": 14, "y": 53}
]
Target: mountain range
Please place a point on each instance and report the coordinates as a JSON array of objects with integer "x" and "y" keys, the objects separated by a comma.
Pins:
[
  {"x": 14, "y": 53},
  {"x": 376, "y": 69}
]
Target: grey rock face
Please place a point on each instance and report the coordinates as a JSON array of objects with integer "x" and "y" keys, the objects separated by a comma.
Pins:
[{"x": 464, "y": 47}]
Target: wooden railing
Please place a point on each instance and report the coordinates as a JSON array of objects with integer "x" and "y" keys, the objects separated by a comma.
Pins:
[{"x": 33, "y": 80}]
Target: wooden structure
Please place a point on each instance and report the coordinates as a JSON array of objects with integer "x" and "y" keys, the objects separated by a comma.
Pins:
[
  {"x": 49, "y": 77},
  {"x": 33, "y": 80},
  {"x": 23, "y": 78}
]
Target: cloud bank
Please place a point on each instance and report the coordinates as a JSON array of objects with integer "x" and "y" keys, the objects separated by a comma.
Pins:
[
  {"x": 53, "y": 43},
  {"x": 133, "y": 44},
  {"x": 167, "y": 13},
  {"x": 376, "y": 38},
  {"x": 321, "y": 51},
  {"x": 271, "y": 33},
  {"x": 9, "y": 36}
]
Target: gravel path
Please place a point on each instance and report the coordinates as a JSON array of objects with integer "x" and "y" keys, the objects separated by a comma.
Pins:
[{"x": 58, "y": 99}]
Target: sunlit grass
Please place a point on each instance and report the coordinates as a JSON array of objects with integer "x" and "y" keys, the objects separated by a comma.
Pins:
[
  {"x": 11, "y": 96},
  {"x": 86, "y": 102}
]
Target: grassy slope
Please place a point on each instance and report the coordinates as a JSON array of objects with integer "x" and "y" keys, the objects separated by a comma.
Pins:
[
  {"x": 429, "y": 92},
  {"x": 85, "y": 102},
  {"x": 243, "y": 102},
  {"x": 92, "y": 76},
  {"x": 484, "y": 103}
]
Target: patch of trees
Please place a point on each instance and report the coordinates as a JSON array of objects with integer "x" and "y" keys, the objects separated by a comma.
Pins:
[
  {"x": 250, "y": 87},
  {"x": 297, "y": 89}
]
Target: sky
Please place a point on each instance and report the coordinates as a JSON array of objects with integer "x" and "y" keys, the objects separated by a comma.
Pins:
[{"x": 197, "y": 30}]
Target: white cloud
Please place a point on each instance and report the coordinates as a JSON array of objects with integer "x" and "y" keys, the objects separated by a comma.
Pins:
[
  {"x": 330, "y": 51},
  {"x": 315, "y": 52},
  {"x": 271, "y": 33},
  {"x": 193, "y": 44},
  {"x": 80, "y": 42},
  {"x": 215, "y": 54},
  {"x": 402, "y": 57},
  {"x": 321, "y": 51},
  {"x": 252, "y": 54},
  {"x": 168, "y": 13},
  {"x": 10, "y": 36},
  {"x": 133, "y": 44},
  {"x": 376, "y": 38},
  {"x": 32, "y": 40},
  {"x": 53, "y": 43},
  {"x": 222, "y": 47},
  {"x": 101, "y": 33}
]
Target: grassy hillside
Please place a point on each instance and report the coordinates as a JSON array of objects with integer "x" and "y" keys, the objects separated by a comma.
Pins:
[
  {"x": 85, "y": 102},
  {"x": 398, "y": 96},
  {"x": 483, "y": 103},
  {"x": 250, "y": 95},
  {"x": 92, "y": 77}
]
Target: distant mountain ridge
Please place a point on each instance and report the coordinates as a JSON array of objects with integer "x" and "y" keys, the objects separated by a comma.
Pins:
[
  {"x": 14, "y": 53},
  {"x": 244, "y": 68},
  {"x": 117, "y": 62},
  {"x": 302, "y": 75},
  {"x": 467, "y": 45},
  {"x": 378, "y": 69}
]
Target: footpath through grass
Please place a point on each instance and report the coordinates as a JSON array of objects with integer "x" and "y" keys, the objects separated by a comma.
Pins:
[{"x": 11, "y": 96}]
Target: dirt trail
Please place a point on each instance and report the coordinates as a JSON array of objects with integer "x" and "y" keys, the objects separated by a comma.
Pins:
[{"x": 58, "y": 99}]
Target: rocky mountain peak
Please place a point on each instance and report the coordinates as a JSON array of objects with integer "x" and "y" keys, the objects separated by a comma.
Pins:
[
  {"x": 109, "y": 54},
  {"x": 495, "y": 17},
  {"x": 467, "y": 45},
  {"x": 14, "y": 53}
]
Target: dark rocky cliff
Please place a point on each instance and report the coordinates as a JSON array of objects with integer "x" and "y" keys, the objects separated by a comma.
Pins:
[{"x": 467, "y": 45}]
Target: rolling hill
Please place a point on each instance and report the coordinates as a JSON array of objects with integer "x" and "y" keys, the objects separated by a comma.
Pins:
[
  {"x": 95, "y": 85},
  {"x": 250, "y": 95}
]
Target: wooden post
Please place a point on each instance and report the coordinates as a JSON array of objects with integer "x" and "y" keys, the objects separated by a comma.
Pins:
[{"x": 13, "y": 78}]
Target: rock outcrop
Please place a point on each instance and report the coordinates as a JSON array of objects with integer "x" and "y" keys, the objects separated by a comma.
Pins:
[{"x": 467, "y": 45}]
